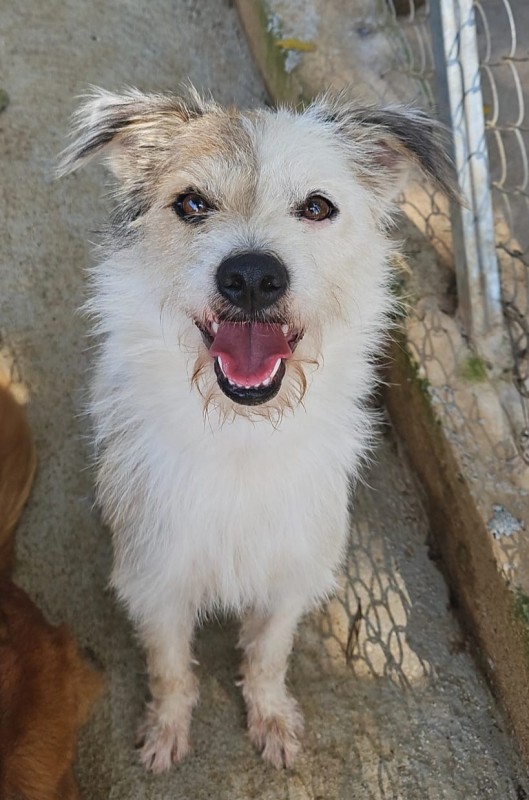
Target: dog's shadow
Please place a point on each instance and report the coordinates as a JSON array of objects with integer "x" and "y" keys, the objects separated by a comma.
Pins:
[
  {"x": 219, "y": 659},
  {"x": 382, "y": 671}
]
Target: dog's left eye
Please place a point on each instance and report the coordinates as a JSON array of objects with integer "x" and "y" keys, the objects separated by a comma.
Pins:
[
  {"x": 191, "y": 206},
  {"x": 316, "y": 208}
]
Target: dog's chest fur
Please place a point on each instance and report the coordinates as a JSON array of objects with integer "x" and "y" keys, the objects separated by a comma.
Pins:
[{"x": 229, "y": 514}]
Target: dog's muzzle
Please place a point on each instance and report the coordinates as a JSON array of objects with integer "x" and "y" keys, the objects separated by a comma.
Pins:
[{"x": 250, "y": 355}]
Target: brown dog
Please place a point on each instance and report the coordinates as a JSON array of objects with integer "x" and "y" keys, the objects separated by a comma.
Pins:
[{"x": 46, "y": 688}]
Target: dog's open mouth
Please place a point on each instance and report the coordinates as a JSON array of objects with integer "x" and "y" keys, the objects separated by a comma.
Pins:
[{"x": 249, "y": 357}]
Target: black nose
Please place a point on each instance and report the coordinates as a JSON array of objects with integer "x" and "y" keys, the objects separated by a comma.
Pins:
[{"x": 252, "y": 281}]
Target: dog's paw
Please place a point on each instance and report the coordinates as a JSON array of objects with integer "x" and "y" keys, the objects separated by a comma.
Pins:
[
  {"x": 161, "y": 744},
  {"x": 277, "y": 737}
]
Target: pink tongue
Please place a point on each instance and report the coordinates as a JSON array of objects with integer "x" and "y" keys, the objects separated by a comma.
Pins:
[{"x": 249, "y": 351}]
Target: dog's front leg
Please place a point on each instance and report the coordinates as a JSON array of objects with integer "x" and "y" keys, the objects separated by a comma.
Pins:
[
  {"x": 163, "y": 735},
  {"x": 275, "y": 722}
]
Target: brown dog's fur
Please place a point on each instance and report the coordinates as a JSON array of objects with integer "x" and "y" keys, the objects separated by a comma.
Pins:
[{"x": 46, "y": 687}]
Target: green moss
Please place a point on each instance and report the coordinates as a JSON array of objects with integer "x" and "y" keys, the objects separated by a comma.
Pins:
[
  {"x": 276, "y": 74},
  {"x": 422, "y": 382},
  {"x": 473, "y": 370},
  {"x": 399, "y": 289},
  {"x": 521, "y": 610},
  {"x": 4, "y": 100},
  {"x": 282, "y": 85},
  {"x": 304, "y": 100},
  {"x": 522, "y": 607},
  {"x": 463, "y": 556}
]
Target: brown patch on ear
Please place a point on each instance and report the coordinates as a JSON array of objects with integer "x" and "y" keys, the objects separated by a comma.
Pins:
[{"x": 387, "y": 157}]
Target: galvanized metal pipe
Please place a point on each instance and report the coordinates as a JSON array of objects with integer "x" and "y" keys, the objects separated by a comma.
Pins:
[{"x": 461, "y": 107}]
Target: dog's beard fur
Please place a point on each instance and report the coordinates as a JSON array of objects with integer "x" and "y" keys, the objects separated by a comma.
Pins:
[
  {"x": 300, "y": 367},
  {"x": 208, "y": 515},
  {"x": 290, "y": 395}
]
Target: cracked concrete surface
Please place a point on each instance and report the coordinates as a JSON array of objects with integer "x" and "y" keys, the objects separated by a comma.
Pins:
[{"x": 409, "y": 717}]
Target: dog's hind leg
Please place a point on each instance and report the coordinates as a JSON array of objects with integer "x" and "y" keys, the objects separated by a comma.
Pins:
[
  {"x": 163, "y": 736},
  {"x": 275, "y": 722}
]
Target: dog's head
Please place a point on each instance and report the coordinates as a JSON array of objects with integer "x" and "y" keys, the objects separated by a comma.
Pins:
[{"x": 258, "y": 233}]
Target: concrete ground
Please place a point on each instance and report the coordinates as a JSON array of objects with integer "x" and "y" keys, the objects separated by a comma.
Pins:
[{"x": 409, "y": 717}]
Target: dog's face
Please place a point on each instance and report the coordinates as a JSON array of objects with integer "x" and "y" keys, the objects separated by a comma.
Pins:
[{"x": 257, "y": 232}]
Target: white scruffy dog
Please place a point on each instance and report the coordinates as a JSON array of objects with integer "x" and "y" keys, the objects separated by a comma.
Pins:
[{"x": 241, "y": 305}]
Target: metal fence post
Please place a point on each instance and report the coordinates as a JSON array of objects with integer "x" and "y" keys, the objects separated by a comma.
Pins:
[{"x": 461, "y": 108}]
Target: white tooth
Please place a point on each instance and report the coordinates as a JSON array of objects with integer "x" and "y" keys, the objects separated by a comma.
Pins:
[
  {"x": 278, "y": 364},
  {"x": 219, "y": 359},
  {"x": 214, "y": 327},
  {"x": 267, "y": 382},
  {"x": 285, "y": 329}
]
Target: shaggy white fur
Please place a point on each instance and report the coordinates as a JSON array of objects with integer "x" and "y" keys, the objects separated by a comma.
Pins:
[{"x": 213, "y": 504}]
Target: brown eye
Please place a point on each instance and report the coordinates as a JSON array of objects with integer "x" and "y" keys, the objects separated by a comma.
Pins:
[
  {"x": 316, "y": 208},
  {"x": 191, "y": 207}
]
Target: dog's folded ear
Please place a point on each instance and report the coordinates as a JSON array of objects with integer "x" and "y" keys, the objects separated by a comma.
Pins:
[
  {"x": 126, "y": 128},
  {"x": 387, "y": 143}
]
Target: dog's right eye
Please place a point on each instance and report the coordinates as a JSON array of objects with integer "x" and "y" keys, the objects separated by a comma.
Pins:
[
  {"x": 316, "y": 208},
  {"x": 191, "y": 207}
]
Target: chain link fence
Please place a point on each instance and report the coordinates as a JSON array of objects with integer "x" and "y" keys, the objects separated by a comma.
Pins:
[
  {"x": 503, "y": 41},
  {"x": 468, "y": 60}
]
